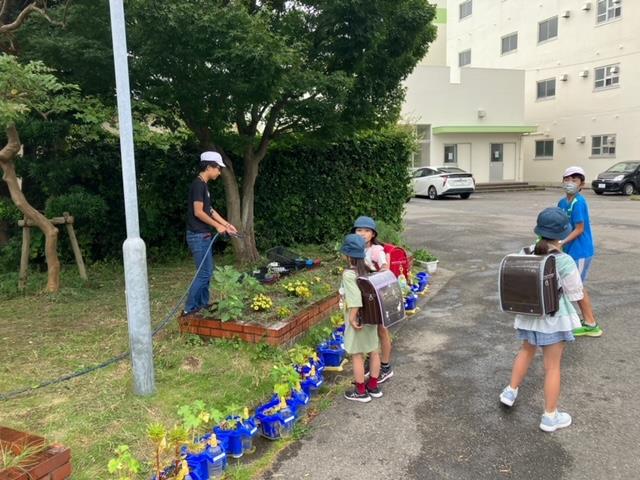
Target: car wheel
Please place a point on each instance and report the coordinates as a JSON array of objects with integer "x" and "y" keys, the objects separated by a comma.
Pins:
[
  {"x": 432, "y": 193},
  {"x": 464, "y": 196},
  {"x": 627, "y": 189}
]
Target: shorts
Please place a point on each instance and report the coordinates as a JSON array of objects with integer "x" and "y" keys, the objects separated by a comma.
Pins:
[
  {"x": 584, "y": 265},
  {"x": 540, "y": 339}
]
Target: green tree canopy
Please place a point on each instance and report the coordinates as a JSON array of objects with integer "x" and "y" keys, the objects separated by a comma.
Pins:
[{"x": 242, "y": 73}]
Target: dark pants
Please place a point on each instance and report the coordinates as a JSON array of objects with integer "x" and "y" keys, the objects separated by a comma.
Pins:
[{"x": 199, "y": 292}]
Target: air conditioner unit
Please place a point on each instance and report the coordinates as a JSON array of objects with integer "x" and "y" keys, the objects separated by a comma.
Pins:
[
  {"x": 584, "y": 73},
  {"x": 614, "y": 69},
  {"x": 586, "y": 7},
  {"x": 581, "y": 139},
  {"x": 564, "y": 77},
  {"x": 566, "y": 14},
  {"x": 561, "y": 140}
]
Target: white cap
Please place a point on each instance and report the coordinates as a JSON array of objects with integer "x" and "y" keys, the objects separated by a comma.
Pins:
[
  {"x": 214, "y": 157},
  {"x": 574, "y": 171}
]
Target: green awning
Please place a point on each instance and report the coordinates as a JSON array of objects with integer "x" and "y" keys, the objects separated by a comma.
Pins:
[{"x": 484, "y": 129}]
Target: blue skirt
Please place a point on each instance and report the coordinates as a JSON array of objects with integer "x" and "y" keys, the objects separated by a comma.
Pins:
[{"x": 540, "y": 339}]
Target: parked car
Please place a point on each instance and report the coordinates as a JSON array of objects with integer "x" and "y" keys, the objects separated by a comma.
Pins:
[
  {"x": 623, "y": 177},
  {"x": 436, "y": 182}
]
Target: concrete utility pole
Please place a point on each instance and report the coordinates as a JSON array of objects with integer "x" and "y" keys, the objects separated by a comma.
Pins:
[{"x": 135, "y": 256}]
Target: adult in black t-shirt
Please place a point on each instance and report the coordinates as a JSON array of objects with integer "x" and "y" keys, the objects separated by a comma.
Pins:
[{"x": 200, "y": 218}]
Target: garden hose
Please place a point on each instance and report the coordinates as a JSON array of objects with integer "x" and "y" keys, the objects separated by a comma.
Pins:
[{"x": 122, "y": 356}]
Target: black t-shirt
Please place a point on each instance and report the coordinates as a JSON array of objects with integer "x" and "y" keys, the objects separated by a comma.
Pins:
[{"x": 198, "y": 192}]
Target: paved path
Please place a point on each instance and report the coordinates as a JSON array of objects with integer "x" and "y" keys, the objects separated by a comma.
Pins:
[{"x": 440, "y": 417}]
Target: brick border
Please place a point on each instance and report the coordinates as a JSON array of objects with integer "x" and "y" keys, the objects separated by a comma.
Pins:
[
  {"x": 277, "y": 333},
  {"x": 54, "y": 463}
]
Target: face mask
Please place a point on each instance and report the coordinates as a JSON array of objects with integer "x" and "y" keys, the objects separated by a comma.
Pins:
[{"x": 570, "y": 188}]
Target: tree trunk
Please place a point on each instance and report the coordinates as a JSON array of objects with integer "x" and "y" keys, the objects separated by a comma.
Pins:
[{"x": 7, "y": 158}]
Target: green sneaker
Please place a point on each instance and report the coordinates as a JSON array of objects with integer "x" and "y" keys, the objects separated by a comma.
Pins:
[{"x": 588, "y": 331}]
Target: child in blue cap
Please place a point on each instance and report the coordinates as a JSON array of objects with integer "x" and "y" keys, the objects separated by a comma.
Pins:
[
  {"x": 359, "y": 340},
  {"x": 376, "y": 260},
  {"x": 549, "y": 332}
]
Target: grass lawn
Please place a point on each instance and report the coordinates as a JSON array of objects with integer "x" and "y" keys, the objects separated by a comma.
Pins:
[{"x": 43, "y": 336}]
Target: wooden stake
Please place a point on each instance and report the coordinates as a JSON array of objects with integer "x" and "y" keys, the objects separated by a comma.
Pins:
[
  {"x": 24, "y": 257},
  {"x": 75, "y": 246}
]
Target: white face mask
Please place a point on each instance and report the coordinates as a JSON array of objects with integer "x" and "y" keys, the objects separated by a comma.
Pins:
[{"x": 570, "y": 187}]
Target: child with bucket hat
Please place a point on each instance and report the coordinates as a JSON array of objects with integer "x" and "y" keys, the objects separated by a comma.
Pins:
[
  {"x": 359, "y": 340},
  {"x": 579, "y": 243},
  {"x": 376, "y": 261},
  {"x": 549, "y": 332}
]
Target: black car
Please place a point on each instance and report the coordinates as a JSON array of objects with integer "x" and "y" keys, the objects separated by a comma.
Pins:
[{"x": 623, "y": 177}]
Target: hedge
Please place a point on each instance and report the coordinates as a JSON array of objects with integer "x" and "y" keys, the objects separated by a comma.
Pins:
[{"x": 305, "y": 193}]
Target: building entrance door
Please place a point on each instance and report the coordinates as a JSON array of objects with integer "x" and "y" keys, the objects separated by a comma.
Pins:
[{"x": 496, "y": 162}]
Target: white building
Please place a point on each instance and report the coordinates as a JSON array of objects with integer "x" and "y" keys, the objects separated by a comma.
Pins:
[
  {"x": 472, "y": 118},
  {"x": 581, "y": 63},
  {"x": 475, "y": 123}
]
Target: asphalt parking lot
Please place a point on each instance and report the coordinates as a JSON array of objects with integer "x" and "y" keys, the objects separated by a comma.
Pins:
[{"x": 439, "y": 417}]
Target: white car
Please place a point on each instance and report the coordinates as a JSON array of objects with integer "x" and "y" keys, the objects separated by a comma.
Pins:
[{"x": 436, "y": 182}]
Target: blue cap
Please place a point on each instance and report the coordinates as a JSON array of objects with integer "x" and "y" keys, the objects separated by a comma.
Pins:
[
  {"x": 353, "y": 246},
  {"x": 364, "y": 222},
  {"x": 553, "y": 223}
]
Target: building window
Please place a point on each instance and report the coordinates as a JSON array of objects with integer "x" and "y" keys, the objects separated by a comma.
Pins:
[
  {"x": 546, "y": 88},
  {"x": 466, "y": 9},
  {"x": 608, "y": 76},
  {"x": 608, "y": 10},
  {"x": 548, "y": 29},
  {"x": 451, "y": 154},
  {"x": 603, "y": 146},
  {"x": 544, "y": 148},
  {"x": 464, "y": 58},
  {"x": 509, "y": 43}
]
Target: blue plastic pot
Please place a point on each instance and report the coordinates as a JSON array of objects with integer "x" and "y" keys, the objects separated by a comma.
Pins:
[
  {"x": 311, "y": 384},
  {"x": 279, "y": 425},
  {"x": 319, "y": 364},
  {"x": 309, "y": 263},
  {"x": 237, "y": 442},
  {"x": 298, "y": 402},
  {"x": 332, "y": 353},
  {"x": 410, "y": 302}
]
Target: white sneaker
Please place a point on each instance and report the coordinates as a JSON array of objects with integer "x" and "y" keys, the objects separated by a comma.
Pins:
[
  {"x": 508, "y": 396},
  {"x": 559, "y": 420}
]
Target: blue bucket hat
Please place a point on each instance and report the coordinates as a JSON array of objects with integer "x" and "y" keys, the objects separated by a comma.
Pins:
[
  {"x": 353, "y": 246},
  {"x": 553, "y": 223},
  {"x": 364, "y": 222}
]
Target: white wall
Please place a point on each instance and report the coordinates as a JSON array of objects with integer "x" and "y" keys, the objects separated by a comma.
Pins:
[
  {"x": 432, "y": 99},
  {"x": 479, "y": 146}
]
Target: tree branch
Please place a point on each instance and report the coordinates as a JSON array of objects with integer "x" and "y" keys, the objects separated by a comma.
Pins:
[{"x": 24, "y": 14}]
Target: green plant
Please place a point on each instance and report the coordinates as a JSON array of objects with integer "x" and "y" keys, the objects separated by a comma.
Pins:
[
  {"x": 390, "y": 233},
  {"x": 423, "y": 255},
  {"x": 21, "y": 460},
  {"x": 300, "y": 354},
  {"x": 286, "y": 379},
  {"x": 157, "y": 434},
  {"x": 176, "y": 437},
  {"x": 125, "y": 466},
  {"x": 284, "y": 312},
  {"x": 337, "y": 319},
  {"x": 193, "y": 417}
]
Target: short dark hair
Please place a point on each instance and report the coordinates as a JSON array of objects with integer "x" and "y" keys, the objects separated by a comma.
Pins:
[
  {"x": 205, "y": 165},
  {"x": 576, "y": 175}
]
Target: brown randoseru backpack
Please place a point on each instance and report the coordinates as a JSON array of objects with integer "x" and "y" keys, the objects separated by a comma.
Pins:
[
  {"x": 528, "y": 284},
  {"x": 382, "y": 299}
]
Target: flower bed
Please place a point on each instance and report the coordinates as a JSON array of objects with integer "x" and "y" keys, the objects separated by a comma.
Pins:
[
  {"x": 29, "y": 457},
  {"x": 253, "y": 331}
]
